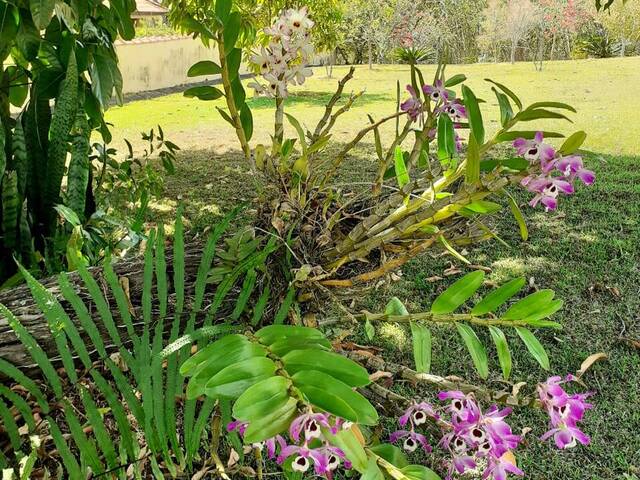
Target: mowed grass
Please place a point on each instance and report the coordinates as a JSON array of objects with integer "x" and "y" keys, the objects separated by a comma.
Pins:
[
  {"x": 588, "y": 251},
  {"x": 606, "y": 94}
]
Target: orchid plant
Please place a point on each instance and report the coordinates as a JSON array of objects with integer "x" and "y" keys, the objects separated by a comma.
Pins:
[
  {"x": 436, "y": 181},
  {"x": 288, "y": 392}
]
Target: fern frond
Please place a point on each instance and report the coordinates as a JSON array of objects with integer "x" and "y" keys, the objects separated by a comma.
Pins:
[
  {"x": 86, "y": 446},
  {"x": 37, "y": 353},
  {"x": 82, "y": 313}
]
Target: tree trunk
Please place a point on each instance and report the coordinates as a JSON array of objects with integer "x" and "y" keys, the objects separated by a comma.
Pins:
[
  {"x": 513, "y": 51},
  {"x": 370, "y": 53},
  {"x": 623, "y": 44},
  {"x": 23, "y": 306}
]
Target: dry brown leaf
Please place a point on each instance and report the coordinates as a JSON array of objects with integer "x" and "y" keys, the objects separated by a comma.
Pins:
[
  {"x": 590, "y": 360},
  {"x": 233, "y": 458},
  {"x": 508, "y": 456},
  {"x": 310, "y": 320},
  {"x": 278, "y": 224},
  {"x": 452, "y": 270},
  {"x": 517, "y": 387},
  {"x": 433, "y": 279},
  {"x": 199, "y": 475},
  {"x": 481, "y": 267},
  {"x": 124, "y": 283}
]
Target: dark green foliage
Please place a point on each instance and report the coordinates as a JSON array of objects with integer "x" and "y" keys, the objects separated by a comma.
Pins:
[
  {"x": 49, "y": 47},
  {"x": 243, "y": 369}
]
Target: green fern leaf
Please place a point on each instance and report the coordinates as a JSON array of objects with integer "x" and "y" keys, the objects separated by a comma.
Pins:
[{"x": 34, "y": 349}]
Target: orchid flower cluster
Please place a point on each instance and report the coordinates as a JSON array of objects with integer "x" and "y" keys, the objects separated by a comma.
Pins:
[
  {"x": 482, "y": 443},
  {"x": 565, "y": 411},
  {"x": 445, "y": 100},
  {"x": 445, "y": 103},
  {"x": 476, "y": 440},
  {"x": 310, "y": 445},
  {"x": 284, "y": 61},
  {"x": 551, "y": 174}
]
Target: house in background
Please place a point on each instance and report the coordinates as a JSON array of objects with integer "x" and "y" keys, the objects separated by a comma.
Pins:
[{"x": 149, "y": 12}]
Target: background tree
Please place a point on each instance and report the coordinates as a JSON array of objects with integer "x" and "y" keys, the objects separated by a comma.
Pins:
[
  {"x": 520, "y": 18},
  {"x": 622, "y": 20}
]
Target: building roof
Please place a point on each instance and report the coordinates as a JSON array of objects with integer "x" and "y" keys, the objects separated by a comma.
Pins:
[{"x": 148, "y": 7}]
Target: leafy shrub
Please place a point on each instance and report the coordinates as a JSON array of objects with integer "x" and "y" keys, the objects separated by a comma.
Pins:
[
  {"x": 596, "y": 43},
  {"x": 413, "y": 55}
]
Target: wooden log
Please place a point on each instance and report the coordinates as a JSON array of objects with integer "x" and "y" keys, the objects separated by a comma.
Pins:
[{"x": 19, "y": 301}]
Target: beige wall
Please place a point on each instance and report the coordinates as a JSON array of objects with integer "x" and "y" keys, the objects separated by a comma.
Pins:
[{"x": 160, "y": 62}]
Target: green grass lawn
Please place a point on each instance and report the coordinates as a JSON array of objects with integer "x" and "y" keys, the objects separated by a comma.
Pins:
[{"x": 588, "y": 251}]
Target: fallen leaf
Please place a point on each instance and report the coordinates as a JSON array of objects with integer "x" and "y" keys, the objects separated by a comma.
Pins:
[
  {"x": 590, "y": 360},
  {"x": 233, "y": 458},
  {"x": 481, "y": 267},
  {"x": 310, "y": 320},
  {"x": 516, "y": 388},
  {"x": 508, "y": 456}
]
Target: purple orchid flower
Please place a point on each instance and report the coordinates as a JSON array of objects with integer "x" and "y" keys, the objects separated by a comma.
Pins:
[
  {"x": 567, "y": 436},
  {"x": 274, "y": 442},
  {"x": 412, "y": 440},
  {"x": 238, "y": 426},
  {"x": 463, "y": 407},
  {"x": 565, "y": 411},
  {"x": 534, "y": 150},
  {"x": 547, "y": 190},
  {"x": 413, "y": 106},
  {"x": 572, "y": 167},
  {"x": 436, "y": 91},
  {"x": 310, "y": 424},
  {"x": 498, "y": 467},
  {"x": 418, "y": 414},
  {"x": 325, "y": 459},
  {"x": 456, "y": 110}
]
